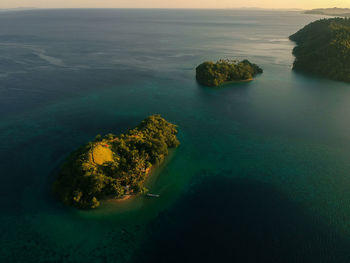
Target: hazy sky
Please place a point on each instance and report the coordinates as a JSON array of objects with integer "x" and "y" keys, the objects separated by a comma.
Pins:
[{"x": 304, "y": 4}]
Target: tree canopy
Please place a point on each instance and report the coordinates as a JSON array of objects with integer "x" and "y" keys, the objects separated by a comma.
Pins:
[
  {"x": 112, "y": 166},
  {"x": 323, "y": 48},
  {"x": 214, "y": 74}
]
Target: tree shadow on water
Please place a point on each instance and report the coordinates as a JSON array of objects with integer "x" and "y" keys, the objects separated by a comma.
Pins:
[{"x": 230, "y": 220}]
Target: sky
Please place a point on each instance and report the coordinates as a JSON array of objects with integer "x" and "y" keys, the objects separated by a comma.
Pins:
[{"x": 302, "y": 4}]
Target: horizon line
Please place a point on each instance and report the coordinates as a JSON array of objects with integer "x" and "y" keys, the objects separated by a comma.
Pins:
[{"x": 176, "y": 8}]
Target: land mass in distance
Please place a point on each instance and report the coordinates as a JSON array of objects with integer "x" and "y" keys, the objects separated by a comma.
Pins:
[{"x": 330, "y": 11}]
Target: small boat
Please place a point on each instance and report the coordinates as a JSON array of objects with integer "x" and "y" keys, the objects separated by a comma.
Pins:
[{"x": 152, "y": 195}]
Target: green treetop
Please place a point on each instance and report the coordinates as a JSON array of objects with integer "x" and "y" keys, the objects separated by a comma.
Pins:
[{"x": 214, "y": 74}]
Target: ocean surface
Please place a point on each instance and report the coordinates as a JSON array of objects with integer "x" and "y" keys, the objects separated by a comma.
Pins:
[{"x": 262, "y": 173}]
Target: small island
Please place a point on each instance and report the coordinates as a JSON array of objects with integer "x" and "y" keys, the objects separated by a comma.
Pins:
[
  {"x": 323, "y": 49},
  {"x": 330, "y": 11},
  {"x": 214, "y": 74},
  {"x": 114, "y": 166}
]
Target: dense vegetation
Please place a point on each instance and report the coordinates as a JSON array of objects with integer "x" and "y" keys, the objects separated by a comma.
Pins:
[
  {"x": 113, "y": 166},
  {"x": 323, "y": 48},
  {"x": 214, "y": 74}
]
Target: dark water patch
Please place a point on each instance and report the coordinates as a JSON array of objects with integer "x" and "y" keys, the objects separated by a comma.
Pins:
[
  {"x": 34, "y": 246},
  {"x": 224, "y": 219}
]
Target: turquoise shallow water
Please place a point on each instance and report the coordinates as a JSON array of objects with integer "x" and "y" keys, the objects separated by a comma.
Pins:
[{"x": 279, "y": 144}]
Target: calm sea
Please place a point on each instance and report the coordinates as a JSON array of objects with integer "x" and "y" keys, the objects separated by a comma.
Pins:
[{"x": 263, "y": 171}]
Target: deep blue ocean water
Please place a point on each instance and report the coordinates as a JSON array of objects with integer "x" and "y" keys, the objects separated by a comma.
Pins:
[{"x": 262, "y": 174}]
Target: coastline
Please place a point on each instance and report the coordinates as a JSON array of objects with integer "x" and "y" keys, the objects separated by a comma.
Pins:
[
  {"x": 152, "y": 171},
  {"x": 121, "y": 199},
  {"x": 235, "y": 81},
  {"x": 130, "y": 196}
]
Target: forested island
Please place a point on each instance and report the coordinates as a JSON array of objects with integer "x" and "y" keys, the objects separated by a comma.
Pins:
[
  {"x": 214, "y": 74},
  {"x": 330, "y": 11},
  {"x": 114, "y": 166},
  {"x": 323, "y": 48}
]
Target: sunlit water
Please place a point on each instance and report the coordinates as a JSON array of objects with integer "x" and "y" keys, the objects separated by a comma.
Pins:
[{"x": 270, "y": 156}]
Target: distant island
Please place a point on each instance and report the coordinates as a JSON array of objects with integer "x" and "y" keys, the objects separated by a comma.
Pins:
[
  {"x": 330, "y": 11},
  {"x": 17, "y": 9},
  {"x": 214, "y": 74},
  {"x": 114, "y": 166},
  {"x": 323, "y": 48}
]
